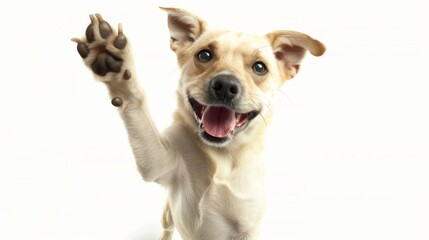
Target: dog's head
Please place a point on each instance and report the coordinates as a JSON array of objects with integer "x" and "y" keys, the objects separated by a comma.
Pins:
[{"x": 229, "y": 78}]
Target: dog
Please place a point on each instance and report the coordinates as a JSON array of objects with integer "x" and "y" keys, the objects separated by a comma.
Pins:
[{"x": 209, "y": 158}]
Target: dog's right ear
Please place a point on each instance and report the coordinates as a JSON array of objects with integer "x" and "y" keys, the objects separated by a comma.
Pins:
[{"x": 184, "y": 27}]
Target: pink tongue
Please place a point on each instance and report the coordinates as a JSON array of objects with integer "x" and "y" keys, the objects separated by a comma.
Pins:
[{"x": 218, "y": 121}]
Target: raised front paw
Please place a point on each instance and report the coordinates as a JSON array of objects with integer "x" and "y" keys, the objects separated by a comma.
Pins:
[{"x": 104, "y": 50}]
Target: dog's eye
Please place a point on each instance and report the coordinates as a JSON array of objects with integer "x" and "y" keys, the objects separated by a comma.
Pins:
[
  {"x": 259, "y": 68},
  {"x": 204, "y": 55}
]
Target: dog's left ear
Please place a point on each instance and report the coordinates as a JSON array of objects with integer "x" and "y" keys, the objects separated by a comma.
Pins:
[
  {"x": 184, "y": 27},
  {"x": 290, "y": 48}
]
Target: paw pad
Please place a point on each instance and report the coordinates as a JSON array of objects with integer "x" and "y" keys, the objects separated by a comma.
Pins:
[
  {"x": 98, "y": 40},
  {"x": 127, "y": 74},
  {"x": 103, "y": 27},
  {"x": 106, "y": 62},
  {"x": 117, "y": 102},
  {"x": 83, "y": 50},
  {"x": 89, "y": 33},
  {"x": 120, "y": 41}
]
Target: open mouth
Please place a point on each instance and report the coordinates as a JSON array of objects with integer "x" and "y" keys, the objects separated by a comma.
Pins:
[{"x": 217, "y": 124}]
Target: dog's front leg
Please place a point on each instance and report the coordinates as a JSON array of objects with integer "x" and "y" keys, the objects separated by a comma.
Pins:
[{"x": 107, "y": 53}]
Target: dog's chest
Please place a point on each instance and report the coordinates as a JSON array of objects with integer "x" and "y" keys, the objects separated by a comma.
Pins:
[
  {"x": 239, "y": 208},
  {"x": 230, "y": 203}
]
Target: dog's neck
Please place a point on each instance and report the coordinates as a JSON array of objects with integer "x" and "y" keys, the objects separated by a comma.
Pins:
[{"x": 238, "y": 167}]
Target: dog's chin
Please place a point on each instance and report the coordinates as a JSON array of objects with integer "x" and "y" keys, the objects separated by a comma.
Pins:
[{"x": 218, "y": 124}]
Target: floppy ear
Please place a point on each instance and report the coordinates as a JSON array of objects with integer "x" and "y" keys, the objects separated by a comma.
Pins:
[
  {"x": 184, "y": 27},
  {"x": 290, "y": 48}
]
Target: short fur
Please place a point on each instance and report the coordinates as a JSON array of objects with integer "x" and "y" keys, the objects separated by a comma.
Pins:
[{"x": 215, "y": 188}]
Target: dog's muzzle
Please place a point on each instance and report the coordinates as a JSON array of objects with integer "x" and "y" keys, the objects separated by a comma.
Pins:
[{"x": 219, "y": 120}]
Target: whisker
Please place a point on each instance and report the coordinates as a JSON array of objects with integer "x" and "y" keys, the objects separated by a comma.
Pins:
[
  {"x": 262, "y": 116},
  {"x": 254, "y": 97},
  {"x": 285, "y": 94},
  {"x": 177, "y": 69}
]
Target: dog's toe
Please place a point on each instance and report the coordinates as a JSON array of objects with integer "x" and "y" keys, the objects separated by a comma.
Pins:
[
  {"x": 83, "y": 50},
  {"x": 120, "y": 40}
]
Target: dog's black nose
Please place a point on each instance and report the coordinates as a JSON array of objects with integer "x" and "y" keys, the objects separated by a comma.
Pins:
[{"x": 225, "y": 87}]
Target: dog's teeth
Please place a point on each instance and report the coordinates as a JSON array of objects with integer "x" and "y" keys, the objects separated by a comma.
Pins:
[
  {"x": 200, "y": 127},
  {"x": 199, "y": 121},
  {"x": 203, "y": 109},
  {"x": 237, "y": 118}
]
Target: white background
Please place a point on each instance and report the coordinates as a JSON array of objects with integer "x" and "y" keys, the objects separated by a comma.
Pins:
[{"x": 347, "y": 153}]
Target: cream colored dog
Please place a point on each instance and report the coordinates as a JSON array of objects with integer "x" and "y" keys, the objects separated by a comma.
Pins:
[{"x": 209, "y": 158}]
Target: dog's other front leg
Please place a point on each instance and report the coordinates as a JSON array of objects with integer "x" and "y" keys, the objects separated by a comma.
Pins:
[
  {"x": 167, "y": 223},
  {"x": 107, "y": 53}
]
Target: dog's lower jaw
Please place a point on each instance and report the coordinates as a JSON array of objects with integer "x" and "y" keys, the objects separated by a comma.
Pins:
[{"x": 213, "y": 141}]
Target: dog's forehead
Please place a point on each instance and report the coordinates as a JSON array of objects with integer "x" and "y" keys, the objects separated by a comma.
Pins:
[{"x": 236, "y": 41}]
